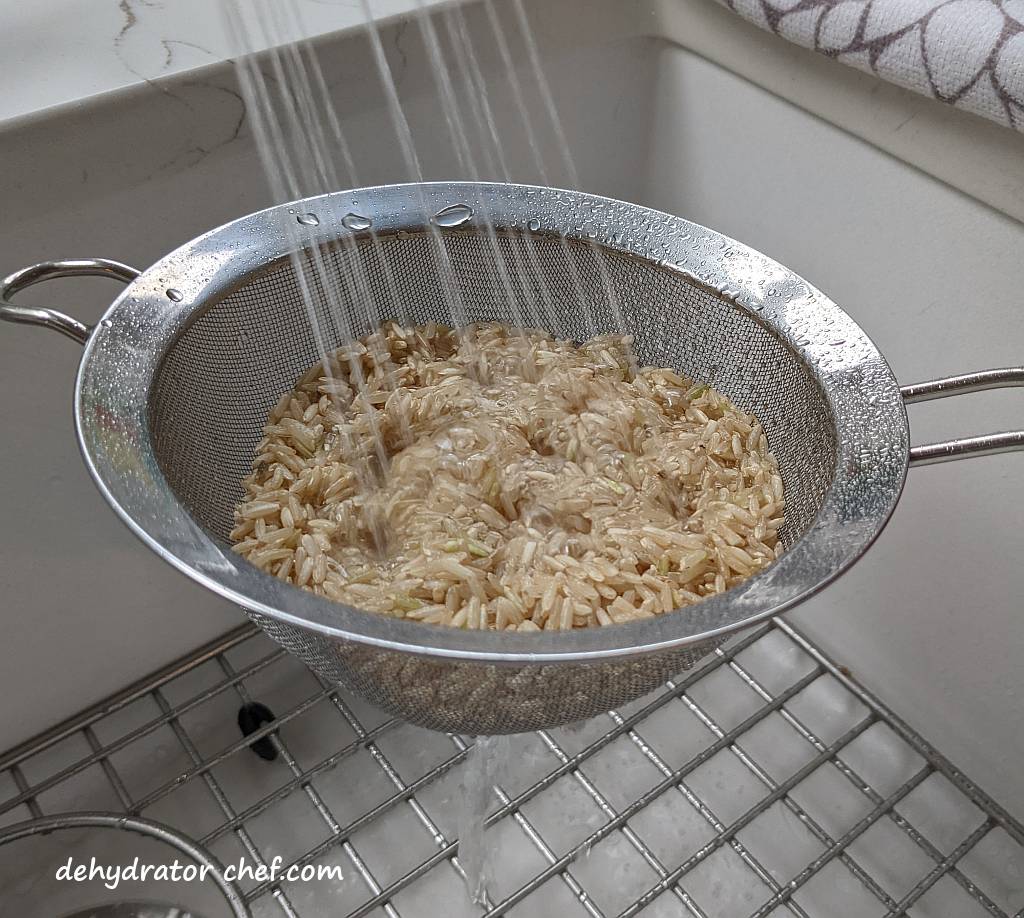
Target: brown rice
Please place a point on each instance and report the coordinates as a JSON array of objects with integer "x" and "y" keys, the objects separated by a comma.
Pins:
[{"x": 503, "y": 479}]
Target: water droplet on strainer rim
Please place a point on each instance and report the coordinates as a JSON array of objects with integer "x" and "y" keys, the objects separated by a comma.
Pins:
[
  {"x": 354, "y": 221},
  {"x": 174, "y": 294},
  {"x": 106, "y": 323},
  {"x": 534, "y": 224},
  {"x": 308, "y": 219},
  {"x": 453, "y": 215}
]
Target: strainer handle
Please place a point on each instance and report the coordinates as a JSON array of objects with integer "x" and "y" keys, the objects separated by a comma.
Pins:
[
  {"x": 964, "y": 447},
  {"x": 48, "y": 270}
]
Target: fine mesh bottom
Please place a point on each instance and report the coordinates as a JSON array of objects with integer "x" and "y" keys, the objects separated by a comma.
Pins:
[{"x": 217, "y": 384}]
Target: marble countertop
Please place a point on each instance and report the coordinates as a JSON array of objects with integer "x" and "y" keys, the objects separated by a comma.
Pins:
[{"x": 64, "y": 51}]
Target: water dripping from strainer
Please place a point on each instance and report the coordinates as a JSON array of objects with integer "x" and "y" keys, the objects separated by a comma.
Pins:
[
  {"x": 308, "y": 219},
  {"x": 480, "y": 772}
]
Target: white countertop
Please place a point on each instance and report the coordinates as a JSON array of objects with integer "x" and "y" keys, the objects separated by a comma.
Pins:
[{"x": 62, "y": 51}]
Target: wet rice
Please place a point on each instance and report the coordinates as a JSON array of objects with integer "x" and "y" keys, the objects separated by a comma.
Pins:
[{"x": 503, "y": 479}]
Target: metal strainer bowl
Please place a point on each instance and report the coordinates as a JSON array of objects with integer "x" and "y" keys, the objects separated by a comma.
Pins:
[{"x": 179, "y": 376}]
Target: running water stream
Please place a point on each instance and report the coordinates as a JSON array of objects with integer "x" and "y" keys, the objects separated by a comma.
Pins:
[
  {"x": 481, "y": 771},
  {"x": 304, "y": 151}
]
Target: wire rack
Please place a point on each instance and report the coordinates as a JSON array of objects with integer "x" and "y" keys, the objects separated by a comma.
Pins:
[{"x": 768, "y": 782}]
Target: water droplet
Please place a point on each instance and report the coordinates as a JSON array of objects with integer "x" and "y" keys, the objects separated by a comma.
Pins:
[
  {"x": 453, "y": 215},
  {"x": 355, "y": 221},
  {"x": 106, "y": 323},
  {"x": 534, "y": 225},
  {"x": 308, "y": 219},
  {"x": 176, "y": 295}
]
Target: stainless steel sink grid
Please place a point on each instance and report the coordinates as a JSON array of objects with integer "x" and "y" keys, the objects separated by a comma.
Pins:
[{"x": 767, "y": 782}]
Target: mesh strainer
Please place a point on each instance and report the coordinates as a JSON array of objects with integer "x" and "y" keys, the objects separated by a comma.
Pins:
[{"x": 180, "y": 374}]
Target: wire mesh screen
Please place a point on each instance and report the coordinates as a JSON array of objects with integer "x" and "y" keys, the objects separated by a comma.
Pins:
[
  {"x": 482, "y": 698},
  {"x": 218, "y": 382}
]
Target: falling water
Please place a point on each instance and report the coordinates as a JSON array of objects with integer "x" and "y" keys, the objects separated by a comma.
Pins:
[
  {"x": 450, "y": 216},
  {"x": 519, "y": 98},
  {"x": 299, "y": 136},
  {"x": 445, "y": 271},
  {"x": 535, "y": 67},
  {"x": 481, "y": 771},
  {"x": 288, "y": 113},
  {"x": 542, "y": 311}
]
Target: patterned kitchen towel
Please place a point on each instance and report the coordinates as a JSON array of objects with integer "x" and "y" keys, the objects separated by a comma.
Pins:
[{"x": 969, "y": 53}]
